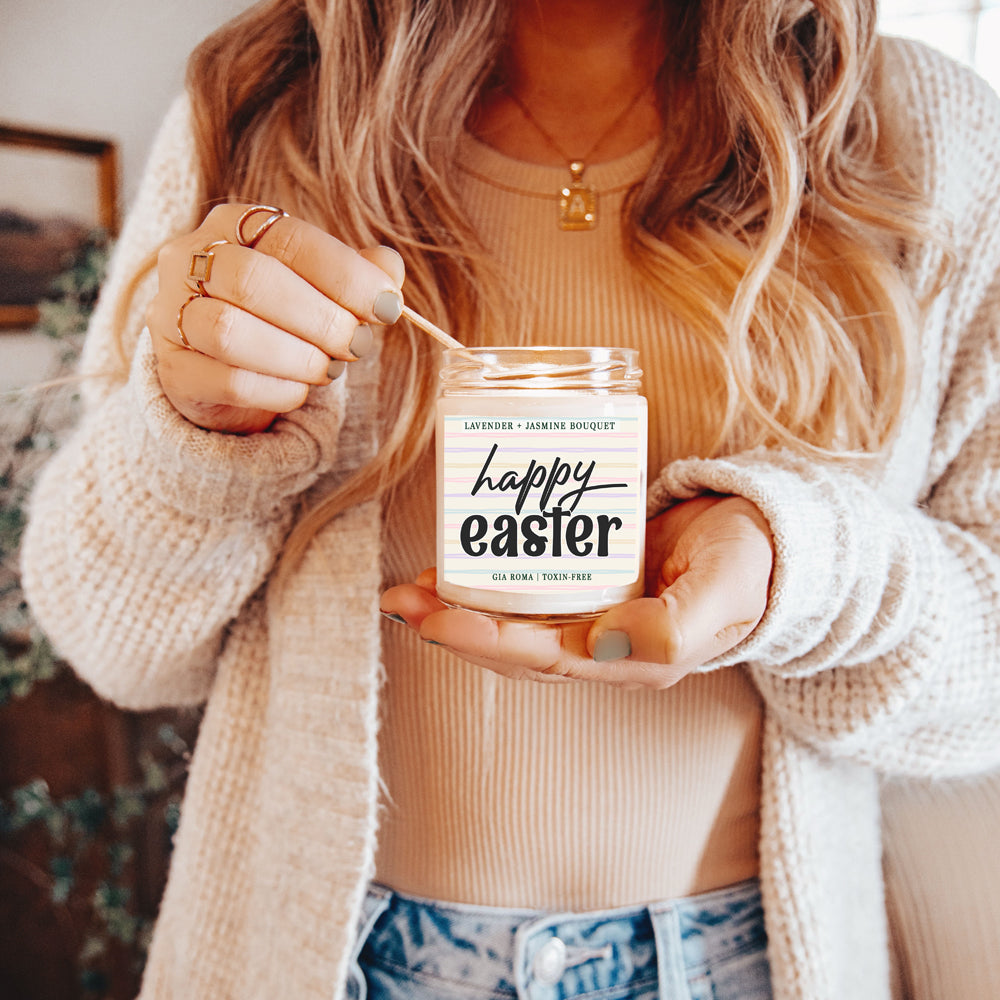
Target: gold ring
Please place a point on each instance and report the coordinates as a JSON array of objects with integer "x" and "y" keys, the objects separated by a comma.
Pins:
[
  {"x": 252, "y": 240},
  {"x": 200, "y": 266},
  {"x": 180, "y": 320}
]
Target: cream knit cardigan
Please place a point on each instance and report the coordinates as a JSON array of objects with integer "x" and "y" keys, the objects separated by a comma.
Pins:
[{"x": 150, "y": 544}]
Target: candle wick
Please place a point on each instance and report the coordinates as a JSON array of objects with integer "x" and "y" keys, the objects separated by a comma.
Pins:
[{"x": 435, "y": 331}]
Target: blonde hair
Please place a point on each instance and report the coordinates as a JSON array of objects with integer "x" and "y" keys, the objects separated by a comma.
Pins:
[{"x": 772, "y": 222}]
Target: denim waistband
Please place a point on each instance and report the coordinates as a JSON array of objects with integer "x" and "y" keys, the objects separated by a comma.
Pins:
[{"x": 665, "y": 947}]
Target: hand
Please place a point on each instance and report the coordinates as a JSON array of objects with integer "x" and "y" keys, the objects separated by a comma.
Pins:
[
  {"x": 708, "y": 569},
  {"x": 270, "y": 321}
]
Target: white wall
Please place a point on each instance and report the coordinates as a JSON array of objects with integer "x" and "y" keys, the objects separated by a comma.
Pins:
[
  {"x": 967, "y": 30},
  {"x": 102, "y": 67},
  {"x": 107, "y": 68}
]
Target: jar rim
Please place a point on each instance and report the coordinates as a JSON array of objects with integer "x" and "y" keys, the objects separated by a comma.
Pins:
[
  {"x": 538, "y": 350},
  {"x": 541, "y": 367}
]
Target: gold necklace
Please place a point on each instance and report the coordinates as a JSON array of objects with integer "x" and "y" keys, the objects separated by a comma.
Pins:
[{"x": 577, "y": 201}]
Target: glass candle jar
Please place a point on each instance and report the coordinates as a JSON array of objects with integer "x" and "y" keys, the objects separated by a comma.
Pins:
[{"x": 541, "y": 480}]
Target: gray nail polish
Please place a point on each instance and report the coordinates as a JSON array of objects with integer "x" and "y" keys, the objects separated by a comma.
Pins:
[
  {"x": 612, "y": 646},
  {"x": 393, "y": 617},
  {"x": 361, "y": 342},
  {"x": 335, "y": 369},
  {"x": 388, "y": 307}
]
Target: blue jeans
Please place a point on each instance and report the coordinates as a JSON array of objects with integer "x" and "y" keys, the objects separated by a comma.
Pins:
[{"x": 706, "y": 947}]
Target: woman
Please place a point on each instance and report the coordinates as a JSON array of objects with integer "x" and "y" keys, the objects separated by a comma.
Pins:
[{"x": 768, "y": 181}]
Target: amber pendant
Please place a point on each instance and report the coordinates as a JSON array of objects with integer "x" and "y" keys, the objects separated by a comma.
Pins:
[{"x": 577, "y": 201}]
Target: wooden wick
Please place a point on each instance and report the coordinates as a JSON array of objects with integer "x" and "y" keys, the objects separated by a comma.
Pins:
[{"x": 428, "y": 327}]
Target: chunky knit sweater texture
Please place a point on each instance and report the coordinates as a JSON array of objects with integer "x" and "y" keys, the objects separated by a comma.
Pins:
[{"x": 151, "y": 541}]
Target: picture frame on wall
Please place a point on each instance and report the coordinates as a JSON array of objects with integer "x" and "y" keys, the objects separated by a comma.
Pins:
[{"x": 58, "y": 191}]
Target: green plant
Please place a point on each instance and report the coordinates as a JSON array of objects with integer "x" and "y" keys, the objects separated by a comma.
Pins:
[
  {"x": 87, "y": 838},
  {"x": 91, "y": 839},
  {"x": 34, "y": 422}
]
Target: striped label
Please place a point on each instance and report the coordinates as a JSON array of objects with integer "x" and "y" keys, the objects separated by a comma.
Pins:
[{"x": 542, "y": 504}]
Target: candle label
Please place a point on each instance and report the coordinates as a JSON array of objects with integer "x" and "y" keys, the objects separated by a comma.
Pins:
[{"x": 542, "y": 504}]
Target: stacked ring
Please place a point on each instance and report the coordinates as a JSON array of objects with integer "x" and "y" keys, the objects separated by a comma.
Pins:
[
  {"x": 274, "y": 214},
  {"x": 200, "y": 266},
  {"x": 180, "y": 322}
]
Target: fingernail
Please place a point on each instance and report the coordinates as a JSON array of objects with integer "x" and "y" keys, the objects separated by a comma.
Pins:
[
  {"x": 361, "y": 342},
  {"x": 432, "y": 642},
  {"x": 388, "y": 307},
  {"x": 612, "y": 646},
  {"x": 336, "y": 369},
  {"x": 393, "y": 617}
]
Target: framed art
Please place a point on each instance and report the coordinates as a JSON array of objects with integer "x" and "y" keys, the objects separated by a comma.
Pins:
[{"x": 58, "y": 191}]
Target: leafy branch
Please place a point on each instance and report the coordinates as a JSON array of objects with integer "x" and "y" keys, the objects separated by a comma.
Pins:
[
  {"x": 34, "y": 424},
  {"x": 82, "y": 827},
  {"x": 78, "y": 850}
]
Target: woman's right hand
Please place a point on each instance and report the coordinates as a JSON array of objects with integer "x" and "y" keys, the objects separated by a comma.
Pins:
[{"x": 269, "y": 321}]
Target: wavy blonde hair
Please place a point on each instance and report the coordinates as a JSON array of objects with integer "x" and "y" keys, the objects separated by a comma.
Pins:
[{"x": 772, "y": 221}]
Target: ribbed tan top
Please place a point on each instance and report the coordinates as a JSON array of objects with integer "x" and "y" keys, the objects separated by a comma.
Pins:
[{"x": 518, "y": 794}]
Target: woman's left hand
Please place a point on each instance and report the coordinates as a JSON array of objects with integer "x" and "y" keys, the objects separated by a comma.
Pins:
[{"x": 708, "y": 567}]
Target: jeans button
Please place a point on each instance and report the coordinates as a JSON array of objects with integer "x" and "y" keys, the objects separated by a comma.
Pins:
[{"x": 549, "y": 963}]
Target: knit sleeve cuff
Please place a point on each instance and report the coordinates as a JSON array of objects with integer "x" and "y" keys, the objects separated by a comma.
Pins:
[
  {"x": 844, "y": 580},
  {"x": 210, "y": 474}
]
